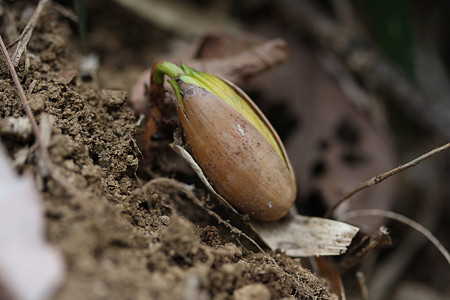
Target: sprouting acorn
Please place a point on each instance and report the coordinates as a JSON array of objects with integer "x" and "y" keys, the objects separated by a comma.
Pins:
[{"x": 233, "y": 143}]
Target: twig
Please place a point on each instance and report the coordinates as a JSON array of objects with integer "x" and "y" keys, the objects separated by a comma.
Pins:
[
  {"x": 54, "y": 173},
  {"x": 25, "y": 36},
  {"x": 362, "y": 285},
  {"x": 402, "y": 219},
  {"x": 379, "y": 178}
]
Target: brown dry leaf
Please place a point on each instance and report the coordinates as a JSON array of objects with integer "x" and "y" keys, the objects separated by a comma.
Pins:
[
  {"x": 65, "y": 76},
  {"x": 325, "y": 268}
]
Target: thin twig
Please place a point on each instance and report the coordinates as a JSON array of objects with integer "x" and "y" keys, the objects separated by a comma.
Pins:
[
  {"x": 379, "y": 178},
  {"x": 54, "y": 173},
  {"x": 362, "y": 285},
  {"x": 25, "y": 36},
  {"x": 402, "y": 219}
]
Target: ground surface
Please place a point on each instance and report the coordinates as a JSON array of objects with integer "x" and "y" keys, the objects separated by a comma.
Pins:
[{"x": 120, "y": 242}]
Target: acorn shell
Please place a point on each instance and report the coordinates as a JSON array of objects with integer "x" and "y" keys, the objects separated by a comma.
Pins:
[{"x": 239, "y": 162}]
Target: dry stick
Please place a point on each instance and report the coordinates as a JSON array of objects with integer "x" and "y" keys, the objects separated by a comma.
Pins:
[
  {"x": 55, "y": 174},
  {"x": 25, "y": 36},
  {"x": 379, "y": 178},
  {"x": 401, "y": 218},
  {"x": 362, "y": 285}
]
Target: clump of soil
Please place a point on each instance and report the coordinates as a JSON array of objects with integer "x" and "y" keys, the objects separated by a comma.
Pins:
[{"x": 119, "y": 242}]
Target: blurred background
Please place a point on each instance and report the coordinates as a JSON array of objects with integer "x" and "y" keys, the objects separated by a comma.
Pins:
[{"x": 366, "y": 88}]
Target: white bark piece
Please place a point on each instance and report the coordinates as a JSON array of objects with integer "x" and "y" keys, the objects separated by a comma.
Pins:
[{"x": 304, "y": 236}]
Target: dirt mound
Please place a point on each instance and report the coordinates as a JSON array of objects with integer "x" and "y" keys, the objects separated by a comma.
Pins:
[{"x": 120, "y": 243}]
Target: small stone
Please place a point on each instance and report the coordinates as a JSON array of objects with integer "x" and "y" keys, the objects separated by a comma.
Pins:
[
  {"x": 69, "y": 164},
  {"x": 252, "y": 291},
  {"x": 113, "y": 98},
  {"x": 92, "y": 171},
  {"x": 37, "y": 102},
  {"x": 165, "y": 220}
]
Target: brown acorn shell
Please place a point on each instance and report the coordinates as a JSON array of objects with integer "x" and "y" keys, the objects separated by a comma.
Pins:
[{"x": 239, "y": 162}]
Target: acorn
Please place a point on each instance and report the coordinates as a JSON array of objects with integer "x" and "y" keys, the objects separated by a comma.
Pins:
[{"x": 232, "y": 142}]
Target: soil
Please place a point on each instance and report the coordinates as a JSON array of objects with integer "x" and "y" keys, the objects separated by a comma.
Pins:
[{"x": 118, "y": 241}]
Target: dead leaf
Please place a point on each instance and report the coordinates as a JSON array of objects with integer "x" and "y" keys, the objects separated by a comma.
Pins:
[{"x": 325, "y": 268}]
